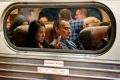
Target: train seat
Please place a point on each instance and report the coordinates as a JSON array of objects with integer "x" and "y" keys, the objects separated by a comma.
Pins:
[
  {"x": 91, "y": 36},
  {"x": 49, "y": 32},
  {"x": 20, "y": 34}
]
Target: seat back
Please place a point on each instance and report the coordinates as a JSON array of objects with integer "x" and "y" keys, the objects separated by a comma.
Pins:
[
  {"x": 49, "y": 32},
  {"x": 91, "y": 36},
  {"x": 20, "y": 34}
]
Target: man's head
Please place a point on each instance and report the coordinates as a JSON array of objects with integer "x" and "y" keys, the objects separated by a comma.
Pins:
[
  {"x": 65, "y": 14},
  {"x": 63, "y": 29},
  {"x": 81, "y": 13},
  {"x": 43, "y": 19}
]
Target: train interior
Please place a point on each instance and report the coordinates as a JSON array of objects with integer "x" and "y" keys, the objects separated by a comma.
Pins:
[{"x": 90, "y": 36}]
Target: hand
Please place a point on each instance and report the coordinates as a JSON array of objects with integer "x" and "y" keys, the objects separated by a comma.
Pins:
[{"x": 58, "y": 43}]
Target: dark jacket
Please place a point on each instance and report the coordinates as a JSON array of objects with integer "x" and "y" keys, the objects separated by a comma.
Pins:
[{"x": 45, "y": 44}]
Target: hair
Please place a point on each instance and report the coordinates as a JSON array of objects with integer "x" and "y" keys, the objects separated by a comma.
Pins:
[
  {"x": 41, "y": 14},
  {"x": 33, "y": 28},
  {"x": 50, "y": 13},
  {"x": 65, "y": 14},
  {"x": 55, "y": 25}
]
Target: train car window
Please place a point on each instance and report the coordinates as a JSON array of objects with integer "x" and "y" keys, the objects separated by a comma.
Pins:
[{"x": 76, "y": 28}]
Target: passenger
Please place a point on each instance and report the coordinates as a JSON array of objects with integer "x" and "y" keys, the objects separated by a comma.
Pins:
[
  {"x": 26, "y": 16},
  {"x": 43, "y": 19},
  {"x": 50, "y": 13},
  {"x": 81, "y": 13},
  {"x": 63, "y": 33},
  {"x": 29, "y": 13},
  {"x": 36, "y": 36},
  {"x": 76, "y": 25}
]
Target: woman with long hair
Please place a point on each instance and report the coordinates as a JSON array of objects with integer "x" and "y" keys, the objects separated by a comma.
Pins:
[{"x": 36, "y": 36}]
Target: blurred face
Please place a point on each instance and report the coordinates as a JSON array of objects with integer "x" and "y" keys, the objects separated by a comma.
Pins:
[
  {"x": 40, "y": 35},
  {"x": 31, "y": 17},
  {"x": 78, "y": 15},
  {"x": 43, "y": 20},
  {"x": 64, "y": 30}
]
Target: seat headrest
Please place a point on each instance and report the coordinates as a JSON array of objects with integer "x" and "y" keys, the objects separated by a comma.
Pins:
[
  {"x": 20, "y": 34},
  {"x": 91, "y": 36}
]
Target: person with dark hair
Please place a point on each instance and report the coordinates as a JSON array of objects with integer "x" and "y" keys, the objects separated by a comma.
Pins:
[
  {"x": 43, "y": 18},
  {"x": 56, "y": 36},
  {"x": 36, "y": 36},
  {"x": 50, "y": 13},
  {"x": 29, "y": 13},
  {"x": 61, "y": 40}
]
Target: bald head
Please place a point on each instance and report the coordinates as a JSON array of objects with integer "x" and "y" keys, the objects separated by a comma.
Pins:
[
  {"x": 64, "y": 23},
  {"x": 64, "y": 29}
]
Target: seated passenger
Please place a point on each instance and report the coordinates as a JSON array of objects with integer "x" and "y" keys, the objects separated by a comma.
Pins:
[
  {"x": 63, "y": 33},
  {"x": 36, "y": 36},
  {"x": 82, "y": 14},
  {"x": 76, "y": 25},
  {"x": 29, "y": 13},
  {"x": 43, "y": 19}
]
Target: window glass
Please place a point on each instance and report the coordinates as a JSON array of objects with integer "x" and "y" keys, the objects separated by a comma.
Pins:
[{"x": 70, "y": 28}]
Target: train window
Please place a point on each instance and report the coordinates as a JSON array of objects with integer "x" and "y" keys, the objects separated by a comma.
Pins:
[{"x": 76, "y": 28}]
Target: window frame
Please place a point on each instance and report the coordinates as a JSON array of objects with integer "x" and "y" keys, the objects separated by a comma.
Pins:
[{"x": 59, "y": 5}]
